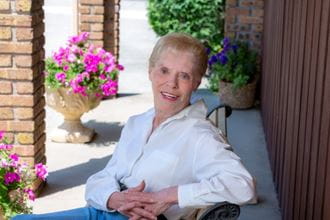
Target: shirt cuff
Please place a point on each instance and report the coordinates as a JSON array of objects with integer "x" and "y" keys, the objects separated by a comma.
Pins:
[
  {"x": 185, "y": 195},
  {"x": 106, "y": 202}
]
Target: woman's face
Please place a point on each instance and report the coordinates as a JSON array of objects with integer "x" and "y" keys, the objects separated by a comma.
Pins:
[{"x": 173, "y": 80}]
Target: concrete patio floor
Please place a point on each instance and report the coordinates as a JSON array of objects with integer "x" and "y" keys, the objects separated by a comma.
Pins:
[{"x": 71, "y": 164}]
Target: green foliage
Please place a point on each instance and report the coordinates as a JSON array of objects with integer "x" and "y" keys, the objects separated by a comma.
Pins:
[
  {"x": 235, "y": 63},
  {"x": 203, "y": 19}
]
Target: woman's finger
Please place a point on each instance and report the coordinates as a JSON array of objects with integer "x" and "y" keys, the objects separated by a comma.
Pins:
[
  {"x": 144, "y": 213},
  {"x": 129, "y": 206},
  {"x": 140, "y": 196}
]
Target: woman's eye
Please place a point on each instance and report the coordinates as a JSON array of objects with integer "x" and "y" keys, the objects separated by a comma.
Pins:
[
  {"x": 185, "y": 76},
  {"x": 163, "y": 70}
]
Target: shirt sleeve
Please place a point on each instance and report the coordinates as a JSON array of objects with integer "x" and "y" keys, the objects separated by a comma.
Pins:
[
  {"x": 101, "y": 185},
  {"x": 220, "y": 176}
]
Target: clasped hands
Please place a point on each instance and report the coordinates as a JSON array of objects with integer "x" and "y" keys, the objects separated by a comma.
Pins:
[{"x": 139, "y": 205}]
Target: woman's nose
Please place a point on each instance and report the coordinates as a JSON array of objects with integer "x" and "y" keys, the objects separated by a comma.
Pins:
[{"x": 173, "y": 82}]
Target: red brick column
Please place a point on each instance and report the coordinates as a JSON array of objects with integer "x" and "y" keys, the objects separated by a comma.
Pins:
[
  {"x": 101, "y": 19},
  {"x": 22, "y": 100},
  {"x": 244, "y": 21}
]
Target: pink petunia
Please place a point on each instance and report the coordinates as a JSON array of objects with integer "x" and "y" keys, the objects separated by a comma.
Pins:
[
  {"x": 30, "y": 194},
  {"x": 14, "y": 157},
  {"x": 6, "y": 147},
  {"x": 120, "y": 67},
  {"x": 60, "y": 77},
  {"x": 109, "y": 69},
  {"x": 109, "y": 88},
  {"x": 2, "y": 134},
  {"x": 79, "y": 38},
  {"x": 66, "y": 68},
  {"x": 41, "y": 171},
  {"x": 11, "y": 177}
]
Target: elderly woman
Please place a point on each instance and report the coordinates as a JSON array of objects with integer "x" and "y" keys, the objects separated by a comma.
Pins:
[{"x": 170, "y": 159}]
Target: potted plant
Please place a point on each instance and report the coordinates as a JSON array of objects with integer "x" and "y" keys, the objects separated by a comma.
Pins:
[
  {"x": 234, "y": 74},
  {"x": 77, "y": 77},
  {"x": 16, "y": 180}
]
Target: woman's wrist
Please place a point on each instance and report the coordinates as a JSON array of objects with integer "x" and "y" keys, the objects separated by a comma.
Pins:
[
  {"x": 171, "y": 195},
  {"x": 112, "y": 203}
]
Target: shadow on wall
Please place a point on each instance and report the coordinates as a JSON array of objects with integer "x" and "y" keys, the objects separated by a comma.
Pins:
[{"x": 62, "y": 179}]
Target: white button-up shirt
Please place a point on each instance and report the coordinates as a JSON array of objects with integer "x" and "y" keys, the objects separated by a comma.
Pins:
[{"x": 186, "y": 151}]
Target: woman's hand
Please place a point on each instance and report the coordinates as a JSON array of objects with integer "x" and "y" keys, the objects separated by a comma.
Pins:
[
  {"x": 164, "y": 199},
  {"x": 132, "y": 201}
]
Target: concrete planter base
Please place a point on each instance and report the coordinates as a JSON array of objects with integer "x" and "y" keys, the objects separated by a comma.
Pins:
[
  {"x": 72, "y": 107},
  {"x": 241, "y": 98}
]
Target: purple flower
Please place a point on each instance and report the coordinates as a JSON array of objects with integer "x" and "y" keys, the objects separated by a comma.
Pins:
[
  {"x": 235, "y": 48},
  {"x": 60, "y": 77},
  {"x": 102, "y": 76},
  {"x": 212, "y": 60},
  {"x": 208, "y": 51},
  {"x": 11, "y": 177},
  {"x": 226, "y": 41},
  {"x": 223, "y": 59},
  {"x": 41, "y": 171},
  {"x": 30, "y": 194}
]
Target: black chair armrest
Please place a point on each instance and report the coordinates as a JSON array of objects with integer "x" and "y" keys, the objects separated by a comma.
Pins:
[
  {"x": 228, "y": 110},
  {"x": 221, "y": 211}
]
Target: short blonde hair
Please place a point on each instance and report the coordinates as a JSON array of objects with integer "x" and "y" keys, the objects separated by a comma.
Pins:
[{"x": 181, "y": 42}]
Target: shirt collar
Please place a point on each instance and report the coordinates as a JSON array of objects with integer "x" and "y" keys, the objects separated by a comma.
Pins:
[{"x": 196, "y": 110}]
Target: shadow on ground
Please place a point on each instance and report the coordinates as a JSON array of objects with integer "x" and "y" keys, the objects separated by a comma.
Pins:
[
  {"x": 60, "y": 180},
  {"x": 107, "y": 133}
]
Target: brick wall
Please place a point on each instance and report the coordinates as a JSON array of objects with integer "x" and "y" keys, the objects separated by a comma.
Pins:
[
  {"x": 22, "y": 100},
  {"x": 101, "y": 19},
  {"x": 244, "y": 21}
]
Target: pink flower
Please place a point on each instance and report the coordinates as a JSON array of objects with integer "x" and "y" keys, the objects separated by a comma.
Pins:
[
  {"x": 109, "y": 69},
  {"x": 120, "y": 67},
  {"x": 60, "y": 77},
  {"x": 14, "y": 157},
  {"x": 66, "y": 68},
  {"x": 11, "y": 177},
  {"x": 2, "y": 133},
  {"x": 41, "y": 171},
  {"x": 92, "y": 62},
  {"x": 109, "y": 88},
  {"x": 4, "y": 163},
  {"x": 30, "y": 194},
  {"x": 102, "y": 76},
  {"x": 79, "y": 38},
  {"x": 6, "y": 147}
]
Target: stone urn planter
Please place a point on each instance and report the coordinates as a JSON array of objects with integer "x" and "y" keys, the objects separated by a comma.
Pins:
[
  {"x": 239, "y": 98},
  {"x": 2, "y": 216},
  {"x": 72, "y": 106}
]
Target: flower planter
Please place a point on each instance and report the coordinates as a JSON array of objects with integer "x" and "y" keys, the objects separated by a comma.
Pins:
[
  {"x": 72, "y": 107},
  {"x": 240, "y": 98},
  {"x": 2, "y": 217}
]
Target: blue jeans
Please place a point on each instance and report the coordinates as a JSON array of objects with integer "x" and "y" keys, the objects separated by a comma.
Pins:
[{"x": 86, "y": 213}]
